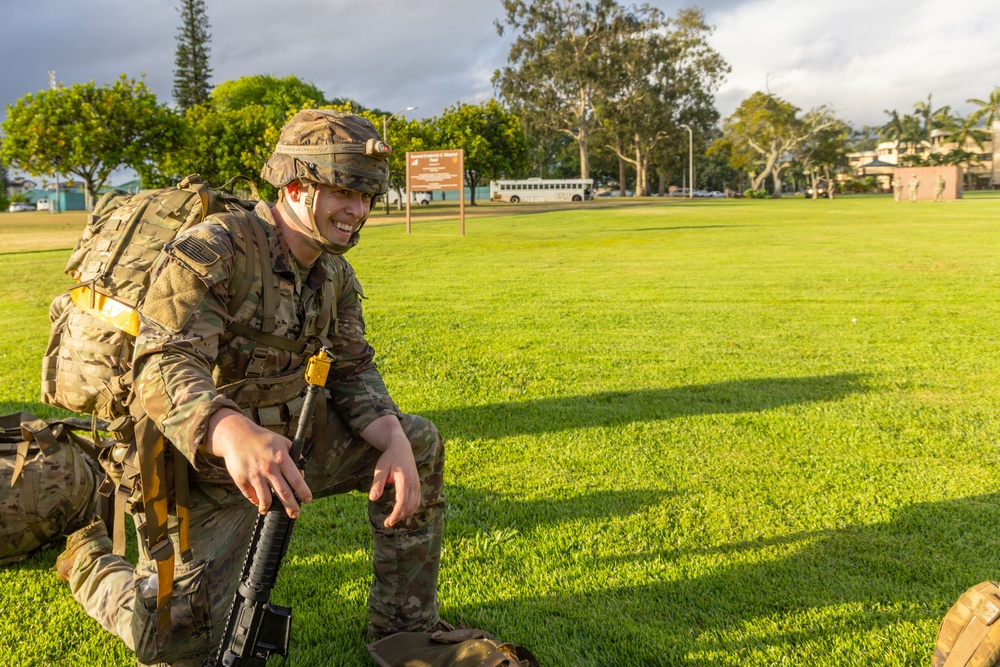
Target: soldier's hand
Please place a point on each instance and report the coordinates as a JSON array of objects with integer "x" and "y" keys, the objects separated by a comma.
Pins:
[
  {"x": 258, "y": 461},
  {"x": 396, "y": 466}
]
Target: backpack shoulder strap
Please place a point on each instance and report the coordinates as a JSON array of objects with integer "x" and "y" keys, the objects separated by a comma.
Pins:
[{"x": 242, "y": 224}]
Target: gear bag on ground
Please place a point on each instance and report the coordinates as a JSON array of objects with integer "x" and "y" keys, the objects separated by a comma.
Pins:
[{"x": 48, "y": 483}]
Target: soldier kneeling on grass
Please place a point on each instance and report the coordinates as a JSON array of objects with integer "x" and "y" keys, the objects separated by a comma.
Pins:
[{"x": 189, "y": 372}]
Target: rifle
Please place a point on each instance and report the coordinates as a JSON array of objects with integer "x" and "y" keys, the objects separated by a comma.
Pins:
[{"x": 256, "y": 629}]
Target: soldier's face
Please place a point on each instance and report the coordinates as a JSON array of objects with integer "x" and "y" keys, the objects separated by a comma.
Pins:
[{"x": 339, "y": 212}]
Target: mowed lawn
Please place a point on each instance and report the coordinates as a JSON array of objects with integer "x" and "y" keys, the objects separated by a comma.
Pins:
[{"x": 712, "y": 433}]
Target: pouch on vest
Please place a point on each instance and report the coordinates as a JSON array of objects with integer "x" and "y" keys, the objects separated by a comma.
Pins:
[
  {"x": 48, "y": 484},
  {"x": 463, "y": 647},
  {"x": 969, "y": 635}
]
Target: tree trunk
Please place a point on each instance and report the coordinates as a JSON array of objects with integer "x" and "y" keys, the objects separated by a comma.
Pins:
[
  {"x": 88, "y": 195},
  {"x": 621, "y": 177},
  {"x": 776, "y": 180},
  {"x": 472, "y": 181},
  {"x": 582, "y": 142},
  {"x": 640, "y": 171}
]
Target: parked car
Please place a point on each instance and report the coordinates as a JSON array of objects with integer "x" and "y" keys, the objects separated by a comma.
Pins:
[
  {"x": 422, "y": 198},
  {"x": 20, "y": 207},
  {"x": 42, "y": 204},
  {"x": 822, "y": 189}
]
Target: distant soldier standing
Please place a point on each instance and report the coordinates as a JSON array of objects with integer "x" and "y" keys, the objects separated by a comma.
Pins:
[
  {"x": 939, "y": 188},
  {"x": 228, "y": 404},
  {"x": 914, "y": 185},
  {"x": 897, "y": 188}
]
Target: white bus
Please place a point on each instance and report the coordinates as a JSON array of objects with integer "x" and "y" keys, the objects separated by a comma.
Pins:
[{"x": 542, "y": 190}]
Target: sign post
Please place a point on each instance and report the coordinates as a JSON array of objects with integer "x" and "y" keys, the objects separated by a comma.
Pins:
[{"x": 429, "y": 171}]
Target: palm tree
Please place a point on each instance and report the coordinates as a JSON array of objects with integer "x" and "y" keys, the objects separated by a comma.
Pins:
[
  {"x": 933, "y": 119},
  {"x": 925, "y": 113},
  {"x": 988, "y": 112},
  {"x": 968, "y": 130},
  {"x": 989, "y": 109},
  {"x": 907, "y": 130}
]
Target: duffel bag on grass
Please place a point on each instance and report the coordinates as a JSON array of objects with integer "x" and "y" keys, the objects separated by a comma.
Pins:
[
  {"x": 969, "y": 635},
  {"x": 463, "y": 647},
  {"x": 48, "y": 485}
]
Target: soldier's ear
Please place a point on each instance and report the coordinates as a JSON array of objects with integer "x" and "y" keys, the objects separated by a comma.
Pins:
[{"x": 293, "y": 191}]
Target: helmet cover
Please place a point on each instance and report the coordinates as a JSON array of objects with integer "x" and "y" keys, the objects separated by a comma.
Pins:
[{"x": 331, "y": 147}]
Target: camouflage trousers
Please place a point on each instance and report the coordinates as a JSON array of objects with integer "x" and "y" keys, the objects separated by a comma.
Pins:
[{"x": 403, "y": 595}]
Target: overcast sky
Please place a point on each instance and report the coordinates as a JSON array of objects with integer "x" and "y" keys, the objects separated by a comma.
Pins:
[{"x": 860, "y": 56}]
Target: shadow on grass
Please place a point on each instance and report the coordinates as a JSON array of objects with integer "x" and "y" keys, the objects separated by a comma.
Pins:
[
  {"x": 757, "y": 604},
  {"x": 611, "y": 408},
  {"x": 756, "y": 601},
  {"x": 671, "y": 229}
]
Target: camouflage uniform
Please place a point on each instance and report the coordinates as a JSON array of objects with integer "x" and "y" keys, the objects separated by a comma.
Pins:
[
  {"x": 187, "y": 367},
  {"x": 939, "y": 186}
]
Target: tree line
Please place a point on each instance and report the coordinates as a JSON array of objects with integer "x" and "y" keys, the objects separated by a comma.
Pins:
[
  {"x": 593, "y": 89},
  {"x": 89, "y": 131}
]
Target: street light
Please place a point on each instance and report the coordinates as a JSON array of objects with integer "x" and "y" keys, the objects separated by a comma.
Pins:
[
  {"x": 690, "y": 161},
  {"x": 385, "y": 138}
]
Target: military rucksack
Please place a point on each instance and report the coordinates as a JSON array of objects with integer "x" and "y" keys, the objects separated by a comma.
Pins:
[
  {"x": 969, "y": 635},
  {"x": 48, "y": 482},
  {"x": 95, "y": 322}
]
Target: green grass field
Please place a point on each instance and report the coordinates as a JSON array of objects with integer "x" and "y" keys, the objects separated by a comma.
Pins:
[{"x": 712, "y": 433}]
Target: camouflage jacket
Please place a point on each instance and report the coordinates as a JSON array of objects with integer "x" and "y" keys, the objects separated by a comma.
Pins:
[{"x": 187, "y": 365}]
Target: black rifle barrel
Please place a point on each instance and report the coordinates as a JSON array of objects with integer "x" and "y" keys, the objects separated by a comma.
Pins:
[{"x": 256, "y": 629}]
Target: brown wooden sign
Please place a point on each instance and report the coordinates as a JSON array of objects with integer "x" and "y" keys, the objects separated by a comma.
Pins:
[
  {"x": 434, "y": 170},
  {"x": 428, "y": 171}
]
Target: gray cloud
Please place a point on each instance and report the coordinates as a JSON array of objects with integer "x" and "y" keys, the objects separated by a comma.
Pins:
[{"x": 856, "y": 55}]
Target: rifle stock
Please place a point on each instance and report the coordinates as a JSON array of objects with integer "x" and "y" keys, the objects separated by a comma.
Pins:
[{"x": 257, "y": 629}]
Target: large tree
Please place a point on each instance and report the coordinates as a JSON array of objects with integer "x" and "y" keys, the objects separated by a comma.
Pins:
[
  {"x": 490, "y": 136},
  {"x": 88, "y": 131},
  {"x": 235, "y": 133},
  {"x": 192, "y": 73},
  {"x": 825, "y": 148},
  {"x": 765, "y": 131},
  {"x": 553, "y": 75},
  {"x": 666, "y": 75}
]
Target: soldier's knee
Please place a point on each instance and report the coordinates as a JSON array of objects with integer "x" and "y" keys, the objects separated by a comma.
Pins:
[{"x": 424, "y": 437}]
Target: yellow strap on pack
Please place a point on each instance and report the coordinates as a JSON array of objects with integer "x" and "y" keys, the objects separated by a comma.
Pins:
[{"x": 106, "y": 309}]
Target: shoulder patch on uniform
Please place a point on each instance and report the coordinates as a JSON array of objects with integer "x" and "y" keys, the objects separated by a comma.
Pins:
[{"x": 196, "y": 251}]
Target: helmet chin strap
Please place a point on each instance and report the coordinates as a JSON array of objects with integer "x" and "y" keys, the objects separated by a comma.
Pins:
[{"x": 322, "y": 243}]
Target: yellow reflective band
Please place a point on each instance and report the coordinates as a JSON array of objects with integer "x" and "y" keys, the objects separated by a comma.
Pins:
[{"x": 106, "y": 309}]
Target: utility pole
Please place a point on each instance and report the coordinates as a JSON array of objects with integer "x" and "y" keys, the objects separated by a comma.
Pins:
[{"x": 690, "y": 161}]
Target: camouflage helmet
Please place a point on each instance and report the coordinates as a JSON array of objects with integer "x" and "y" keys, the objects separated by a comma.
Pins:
[{"x": 326, "y": 146}]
